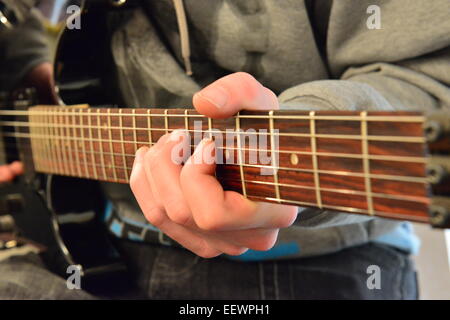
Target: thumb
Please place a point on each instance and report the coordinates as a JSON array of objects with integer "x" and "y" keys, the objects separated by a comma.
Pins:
[{"x": 233, "y": 93}]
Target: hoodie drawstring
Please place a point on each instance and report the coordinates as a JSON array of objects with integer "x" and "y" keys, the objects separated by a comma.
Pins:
[{"x": 184, "y": 35}]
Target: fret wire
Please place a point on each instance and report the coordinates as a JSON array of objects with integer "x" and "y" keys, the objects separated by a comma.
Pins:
[
  {"x": 149, "y": 125},
  {"x": 366, "y": 164},
  {"x": 136, "y": 146},
  {"x": 127, "y": 177},
  {"x": 186, "y": 120},
  {"x": 241, "y": 168},
  {"x": 91, "y": 143},
  {"x": 113, "y": 161},
  {"x": 61, "y": 144},
  {"x": 102, "y": 155},
  {"x": 383, "y": 118},
  {"x": 312, "y": 125},
  {"x": 83, "y": 143},
  {"x": 34, "y": 147},
  {"x": 166, "y": 121},
  {"x": 46, "y": 131},
  {"x": 57, "y": 144},
  {"x": 38, "y": 145},
  {"x": 274, "y": 162},
  {"x": 62, "y": 132},
  {"x": 50, "y": 144},
  {"x": 41, "y": 144},
  {"x": 47, "y": 153},
  {"x": 77, "y": 151},
  {"x": 210, "y": 127},
  {"x": 71, "y": 152},
  {"x": 406, "y": 139}
]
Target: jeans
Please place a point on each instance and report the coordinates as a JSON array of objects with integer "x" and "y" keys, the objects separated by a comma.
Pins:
[{"x": 159, "y": 272}]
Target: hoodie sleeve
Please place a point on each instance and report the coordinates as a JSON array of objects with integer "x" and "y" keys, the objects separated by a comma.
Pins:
[
  {"x": 399, "y": 67},
  {"x": 21, "y": 49}
]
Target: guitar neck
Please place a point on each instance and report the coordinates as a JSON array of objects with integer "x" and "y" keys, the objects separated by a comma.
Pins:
[{"x": 360, "y": 162}]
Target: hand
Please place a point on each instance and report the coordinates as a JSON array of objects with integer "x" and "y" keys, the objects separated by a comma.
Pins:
[
  {"x": 9, "y": 171},
  {"x": 41, "y": 78},
  {"x": 187, "y": 203}
]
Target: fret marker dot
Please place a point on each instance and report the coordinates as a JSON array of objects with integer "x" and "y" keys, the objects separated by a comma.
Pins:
[{"x": 294, "y": 159}]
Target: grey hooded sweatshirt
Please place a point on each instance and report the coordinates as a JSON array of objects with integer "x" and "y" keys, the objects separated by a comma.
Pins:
[{"x": 314, "y": 55}]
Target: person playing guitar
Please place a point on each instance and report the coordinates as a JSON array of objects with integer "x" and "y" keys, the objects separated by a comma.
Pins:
[{"x": 223, "y": 57}]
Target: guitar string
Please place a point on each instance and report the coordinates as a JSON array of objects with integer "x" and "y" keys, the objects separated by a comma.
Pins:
[
  {"x": 403, "y": 216},
  {"x": 91, "y": 140},
  {"x": 142, "y": 143},
  {"x": 397, "y": 197},
  {"x": 321, "y": 189},
  {"x": 423, "y": 199},
  {"x": 341, "y": 172},
  {"x": 391, "y": 177},
  {"x": 148, "y": 113},
  {"x": 387, "y": 138},
  {"x": 164, "y": 114},
  {"x": 342, "y": 208}
]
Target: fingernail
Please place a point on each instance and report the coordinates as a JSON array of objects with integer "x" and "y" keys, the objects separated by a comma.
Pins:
[
  {"x": 176, "y": 135},
  {"x": 217, "y": 95},
  {"x": 203, "y": 155},
  {"x": 203, "y": 144}
]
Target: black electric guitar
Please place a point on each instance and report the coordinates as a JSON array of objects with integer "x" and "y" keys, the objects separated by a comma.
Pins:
[{"x": 387, "y": 164}]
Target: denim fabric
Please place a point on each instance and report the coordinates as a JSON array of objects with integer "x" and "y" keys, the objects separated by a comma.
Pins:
[
  {"x": 172, "y": 273},
  {"x": 160, "y": 272},
  {"x": 25, "y": 277}
]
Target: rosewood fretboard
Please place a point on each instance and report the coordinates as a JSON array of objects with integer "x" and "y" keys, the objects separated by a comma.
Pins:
[{"x": 360, "y": 162}]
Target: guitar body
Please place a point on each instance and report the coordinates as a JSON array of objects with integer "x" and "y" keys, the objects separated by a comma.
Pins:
[
  {"x": 65, "y": 214},
  {"x": 87, "y": 75}
]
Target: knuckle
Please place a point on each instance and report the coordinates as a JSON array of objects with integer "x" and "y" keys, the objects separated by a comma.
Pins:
[
  {"x": 250, "y": 84},
  {"x": 134, "y": 181},
  {"x": 245, "y": 76},
  {"x": 178, "y": 212},
  {"x": 208, "y": 222},
  {"x": 155, "y": 216}
]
